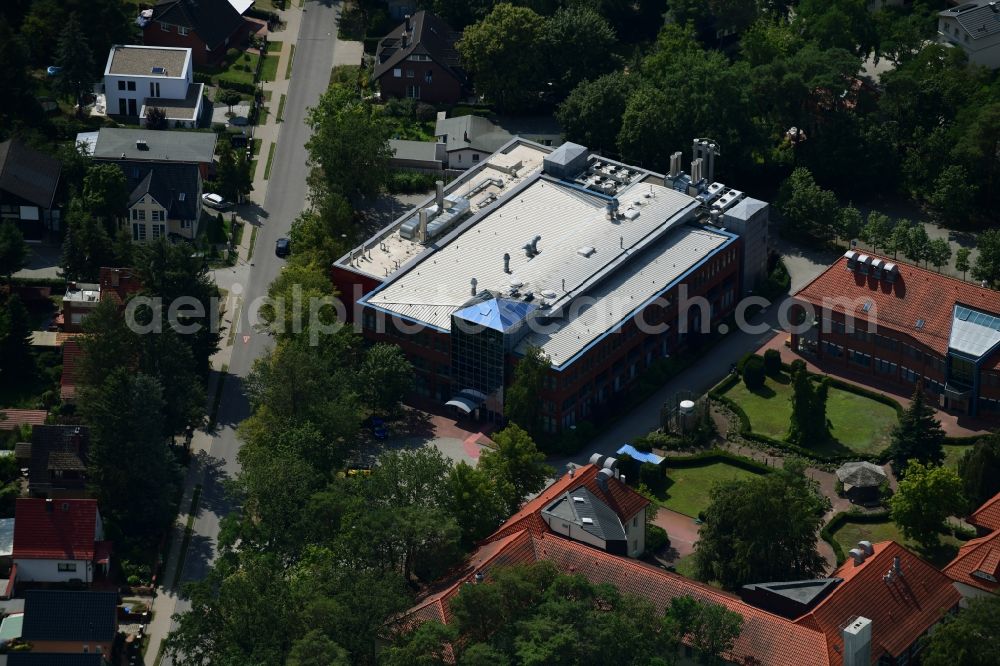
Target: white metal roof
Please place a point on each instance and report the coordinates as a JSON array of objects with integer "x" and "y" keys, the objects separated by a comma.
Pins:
[
  {"x": 626, "y": 290},
  {"x": 565, "y": 218}
]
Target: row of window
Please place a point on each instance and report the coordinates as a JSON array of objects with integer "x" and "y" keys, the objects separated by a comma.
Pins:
[
  {"x": 397, "y": 73},
  {"x": 129, "y": 86},
  {"x": 181, "y": 30},
  {"x": 139, "y": 215}
]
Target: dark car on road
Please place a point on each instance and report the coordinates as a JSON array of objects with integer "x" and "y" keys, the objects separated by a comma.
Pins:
[{"x": 283, "y": 247}]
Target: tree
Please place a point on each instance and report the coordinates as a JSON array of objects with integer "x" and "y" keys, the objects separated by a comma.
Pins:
[
  {"x": 503, "y": 52},
  {"x": 844, "y": 24},
  {"x": 747, "y": 518},
  {"x": 711, "y": 628},
  {"x": 20, "y": 106},
  {"x": 899, "y": 239},
  {"x": 962, "y": 639},
  {"x": 128, "y": 454},
  {"x": 516, "y": 465},
  {"x": 323, "y": 234},
  {"x": 987, "y": 265},
  {"x": 808, "y": 425},
  {"x": 917, "y": 244},
  {"x": 938, "y": 253},
  {"x": 924, "y": 499},
  {"x": 592, "y": 113},
  {"x": 300, "y": 298},
  {"x": 86, "y": 247},
  {"x": 15, "y": 340},
  {"x": 979, "y": 468},
  {"x": 386, "y": 376},
  {"x": 105, "y": 194},
  {"x": 349, "y": 144},
  {"x": 849, "y": 223},
  {"x": 77, "y": 62},
  {"x": 230, "y": 98},
  {"x": 233, "y": 174},
  {"x": 156, "y": 118},
  {"x": 13, "y": 250},
  {"x": 476, "y": 501},
  {"x": 578, "y": 45},
  {"x": 808, "y": 209},
  {"x": 521, "y": 403},
  {"x": 962, "y": 260},
  {"x": 953, "y": 196},
  {"x": 107, "y": 23},
  {"x": 918, "y": 435},
  {"x": 877, "y": 230},
  {"x": 316, "y": 649},
  {"x": 753, "y": 373}
]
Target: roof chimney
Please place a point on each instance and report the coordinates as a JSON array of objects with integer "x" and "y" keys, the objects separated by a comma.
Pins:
[
  {"x": 858, "y": 555},
  {"x": 479, "y": 577},
  {"x": 602, "y": 478},
  {"x": 407, "y": 23},
  {"x": 76, "y": 439},
  {"x": 675, "y": 164},
  {"x": 858, "y": 642}
]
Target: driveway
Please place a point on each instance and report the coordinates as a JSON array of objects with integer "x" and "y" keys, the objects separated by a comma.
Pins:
[{"x": 681, "y": 529}]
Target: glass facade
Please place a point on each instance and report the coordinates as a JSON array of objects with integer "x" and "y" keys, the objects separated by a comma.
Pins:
[{"x": 477, "y": 358}]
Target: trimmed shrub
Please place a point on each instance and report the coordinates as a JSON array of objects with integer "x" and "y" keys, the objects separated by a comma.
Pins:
[
  {"x": 656, "y": 539},
  {"x": 753, "y": 373},
  {"x": 232, "y": 54},
  {"x": 241, "y": 86},
  {"x": 652, "y": 476},
  {"x": 772, "y": 362},
  {"x": 201, "y": 77}
]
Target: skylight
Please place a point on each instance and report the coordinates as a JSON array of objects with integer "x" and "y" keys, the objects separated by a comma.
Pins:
[
  {"x": 920, "y": 323},
  {"x": 587, "y": 521}
]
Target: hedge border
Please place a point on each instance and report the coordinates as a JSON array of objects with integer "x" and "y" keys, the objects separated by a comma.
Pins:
[
  {"x": 716, "y": 456},
  {"x": 840, "y": 519}
]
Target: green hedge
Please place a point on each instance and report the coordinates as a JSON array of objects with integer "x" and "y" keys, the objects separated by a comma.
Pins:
[
  {"x": 239, "y": 86},
  {"x": 717, "y": 456},
  {"x": 55, "y": 283},
  {"x": 263, "y": 14},
  {"x": 848, "y": 517},
  {"x": 201, "y": 77}
]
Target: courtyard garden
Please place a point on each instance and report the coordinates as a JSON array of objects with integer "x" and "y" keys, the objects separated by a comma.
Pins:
[
  {"x": 858, "y": 423},
  {"x": 687, "y": 489},
  {"x": 851, "y": 532}
]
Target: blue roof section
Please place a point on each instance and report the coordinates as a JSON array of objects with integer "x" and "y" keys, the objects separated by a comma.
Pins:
[
  {"x": 973, "y": 332},
  {"x": 500, "y": 314},
  {"x": 641, "y": 456}
]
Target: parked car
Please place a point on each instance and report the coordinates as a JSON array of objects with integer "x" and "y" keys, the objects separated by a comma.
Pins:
[
  {"x": 283, "y": 247},
  {"x": 378, "y": 429},
  {"x": 214, "y": 201}
]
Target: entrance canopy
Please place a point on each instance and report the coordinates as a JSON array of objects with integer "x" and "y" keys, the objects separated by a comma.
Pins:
[{"x": 467, "y": 400}]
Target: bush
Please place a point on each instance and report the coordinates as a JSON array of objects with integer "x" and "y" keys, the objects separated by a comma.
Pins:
[
  {"x": 201, "y": 77},
  {"x": 409, "y": 182},
  {"x": 652, "y": 476},
  {"x": 232, "y": 54},
  {"x": 425, "y": 111},
  {"x": 241, "y": 86},
  {"x": 772, "y": 362},
  {"x": 656, "y": 539},
  {"x": 218, "y": 128},
  {"x": 134, "y": 581},
  {"x": 753, "y": 373}
]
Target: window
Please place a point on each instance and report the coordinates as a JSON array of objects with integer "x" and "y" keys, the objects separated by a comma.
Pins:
[
  {"x": 138, "y": 232},
  {"x": 154, "y": 88},
  {"x": 164, "y": 27},
  {"x": 860, "y": 358},
  {"x": 181, "y": 30},
  {"x": 185, "y": 224},
  {"x": 409, "y": 73},
  {"x": 66, "y": 566},
  {"x": 157, "y": 215},
  {"x": 413, "y": 92},
  {"x": 909, "y": 375},
  {"x": 429, "y": 76},
  {"x": 833, "y": 350},
  {"x": 159, "y": 231},
  {"x": 135, "y": 214},
  {"x": 181, "y": 196},
  {"x": 142, "y": 215},
  {"x": 121, "y": 85},
  {"x": 130, "y": 85},
  {"x": 635, "y": 521},
  {"x": 885, "y": 367},
  {"x": 397, "y": 73},
  {"x": 475, "y": 157}
]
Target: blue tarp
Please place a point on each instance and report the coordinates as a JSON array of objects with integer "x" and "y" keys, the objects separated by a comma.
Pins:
[{"x": 639, "y": 455}]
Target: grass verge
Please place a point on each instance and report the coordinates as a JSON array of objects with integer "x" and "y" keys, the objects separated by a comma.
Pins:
[
  {"x": 270, "y": 158},
  {"x": 275, "y": 47},
  {"x": 269, "y": 70},
  {"x": 281, "y": 109},
  {"x": 253, "y": 241},
  {"x": 256, "y": 146},
  {"x": 291, "y": 59},
  {"x": 195, "y": 496}
]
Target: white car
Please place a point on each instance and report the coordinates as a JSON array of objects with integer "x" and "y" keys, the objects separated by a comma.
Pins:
[{"x": 214, "y": 201}]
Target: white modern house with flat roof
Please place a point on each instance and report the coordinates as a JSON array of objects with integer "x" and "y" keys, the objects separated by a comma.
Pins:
[
  {"x": 138, "y": 78},
  {"x": 975, "y": 28}
]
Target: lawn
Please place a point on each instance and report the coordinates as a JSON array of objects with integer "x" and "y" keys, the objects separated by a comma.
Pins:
[
  {"x": 256, "y": 146},
  {"x": 239, "y": 69},
  {"x": 410, "y": 129},
  {"x": 269, "y": 71},
  {"x": 859, "y": 424},
  {"x": 281, "y": 108},
  {"x": 688, "y": 487},
  {"x": 850, "y": 534},
  {"x": 953, "y": 453},
  {"x": 274, "y": 47}
]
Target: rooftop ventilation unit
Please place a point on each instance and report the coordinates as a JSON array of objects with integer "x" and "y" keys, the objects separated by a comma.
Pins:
[
  {"x": 866, "y": 547},
  {"x": 877, "y": 268},
  {"x": 578, "y": 499},
  {"x": 587, "y": 521},
  {"x": 890, "y": 272},
  {"x": 140, "y": 144},
  {"x": 727, "y": 200},
  {"x": 864, "y": 262},
  {"x": 852, "y": 259},
  {"x": 548, "y": 293},
  {"x": 857, "y": 555},
  {"x": 631, "y": 213},
  {"x": 586, "y": 251}
]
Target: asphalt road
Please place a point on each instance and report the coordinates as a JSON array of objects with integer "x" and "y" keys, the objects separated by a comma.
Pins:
[{"x": 286, "y": 197}]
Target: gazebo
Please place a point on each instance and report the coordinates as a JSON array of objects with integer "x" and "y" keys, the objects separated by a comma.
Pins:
[{"x": 861, "y": 481}]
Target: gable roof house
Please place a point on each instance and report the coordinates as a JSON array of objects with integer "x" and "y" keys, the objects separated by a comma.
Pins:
[
  {"x": 469, "y": 139},
  {"x": 80, "y": 299},
  {"x": 29, "y": 180},
  {"x": 418, "y": 60},
  {"x": 57, "y": 460},
  {"x": 208, "y": 27},
  {"x": 164, "y": 199},
  {"x": 64, "y": 621},
  {"x": 975, "y": 28},
  {"x": 976, "y": 567},
  {"x": 59, "y": 540},
  {"x": 874, "y": 607}
]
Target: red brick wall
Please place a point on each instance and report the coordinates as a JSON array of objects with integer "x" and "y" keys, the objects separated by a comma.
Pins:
[
  {"x": 154, "y": 35},
  {"x": 351, "y": 286},
  {"x": 444, "y": 88}
]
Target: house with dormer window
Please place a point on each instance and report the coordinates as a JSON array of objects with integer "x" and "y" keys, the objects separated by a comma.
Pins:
[{"x": 163, "y": 199}]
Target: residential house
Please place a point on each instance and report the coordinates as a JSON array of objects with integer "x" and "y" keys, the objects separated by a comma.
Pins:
[
  {"x": 143, "y": 145},
  {"x": 56, "y": 459},
  {"x": 976, "y": 567},
  {"x": 469, "y": 139},
  {"x": 59, "y": 540},
  {"x": 208, "y": 28},
  {"x": 138, "y": 78},
  {"x": 898, "y": 323},
  {"x": 873, "y": 609},
  {"x": 80, "y": 299},
  {"x": 66, "y": 621},
  {"x": 975, "y": 28},
  {"x": 418, "y": 60},
  {"x": 15, "y": 418},
  {"x": 417, "y": 155},
  {"x": 71, "y": 354},
  {"x": 164, "y": 199},
  {"x": 29, "y": 180}
]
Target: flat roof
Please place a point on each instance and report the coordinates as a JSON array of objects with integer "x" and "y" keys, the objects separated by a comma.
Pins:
[
  {"x": 160, "y": 145},
  {"x": 138, "y": 60},
  {"x": 178, "y": 109}
]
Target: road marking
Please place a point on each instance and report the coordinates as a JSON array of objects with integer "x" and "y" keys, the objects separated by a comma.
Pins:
[{"x": 246, "y": 339}]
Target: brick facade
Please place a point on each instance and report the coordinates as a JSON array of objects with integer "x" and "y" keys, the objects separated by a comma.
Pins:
[
  {"x": 429, "y": 83},
  {"x": 164, "y": 34}
]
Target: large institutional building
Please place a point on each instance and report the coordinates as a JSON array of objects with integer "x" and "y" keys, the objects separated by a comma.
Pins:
[
  {"x": 901, "y": 323},
  {"x": 605, "y": 267}
]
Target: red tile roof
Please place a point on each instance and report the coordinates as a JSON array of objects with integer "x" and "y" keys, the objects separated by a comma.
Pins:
[
  {"x": 12, "y": 418},
  {"x": 900, "y": 610},
  {"x": 623, "y": 501},
  {"x": 65, "y": 530},
  {"x": 117, "y": 284},
  {"x": 70, "y": 369},
  {"x": 988, "y": 515},
  {"x": 918, "y": 293},
  {"x": 978, "y": 555}
]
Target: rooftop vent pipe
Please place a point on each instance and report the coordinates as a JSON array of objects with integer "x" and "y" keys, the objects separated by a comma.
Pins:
[
  {"x": 423, "y": 225},
  {"x": 506, "y": 263},
  {"x": 473, "y": 283},
  {"x": 675, "y": 164},
  {"x": 439, "y": 185}
]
